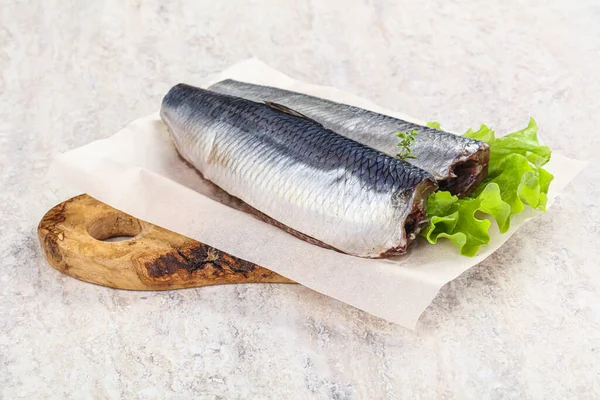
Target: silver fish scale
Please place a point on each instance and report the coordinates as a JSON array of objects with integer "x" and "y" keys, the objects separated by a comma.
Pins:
[
  {"x": 435, "y": 151},
  {"x": 295, "y": 171}
]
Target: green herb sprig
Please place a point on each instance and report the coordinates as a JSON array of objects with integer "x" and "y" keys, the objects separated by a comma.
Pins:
[{"x": 406, "y": 141}]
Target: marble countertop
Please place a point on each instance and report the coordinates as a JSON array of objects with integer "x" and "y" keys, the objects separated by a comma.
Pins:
[{"x": 523, "y": 324}]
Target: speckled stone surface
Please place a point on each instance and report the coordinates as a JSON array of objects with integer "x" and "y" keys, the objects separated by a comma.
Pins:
[{"x": 524, "y": 324}]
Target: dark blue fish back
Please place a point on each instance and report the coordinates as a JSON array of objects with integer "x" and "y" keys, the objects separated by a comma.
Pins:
[{"x": 299, "y": 139}]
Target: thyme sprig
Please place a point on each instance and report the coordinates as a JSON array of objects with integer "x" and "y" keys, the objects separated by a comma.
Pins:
[{"x": 406, "y": 141}]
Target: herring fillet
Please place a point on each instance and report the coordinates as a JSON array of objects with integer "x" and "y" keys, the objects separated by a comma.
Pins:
[
  {"x": 459, "y": 164},
  {"x": 293, "y": 170}
]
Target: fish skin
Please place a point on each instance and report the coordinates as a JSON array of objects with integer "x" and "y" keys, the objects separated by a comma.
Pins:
[
  {"x": 442, "y": 154},
  {"x": 293, "y": 170}
]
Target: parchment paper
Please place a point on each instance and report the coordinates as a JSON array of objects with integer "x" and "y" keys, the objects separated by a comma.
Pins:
[{"x": 139, "y": 172}]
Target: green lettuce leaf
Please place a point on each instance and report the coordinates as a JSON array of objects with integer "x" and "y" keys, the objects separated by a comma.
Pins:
[
  {"x": 516, "y": 179},
  {"x": 456, "y": 219}
]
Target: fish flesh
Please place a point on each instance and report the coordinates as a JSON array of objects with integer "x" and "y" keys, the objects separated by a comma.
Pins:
[
  {"x": 299, "y": 175},
  {"x": 459, "y": 164}
]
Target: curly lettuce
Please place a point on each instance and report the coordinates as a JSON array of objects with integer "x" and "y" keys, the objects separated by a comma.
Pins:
[{"x": 516, "y": 179}]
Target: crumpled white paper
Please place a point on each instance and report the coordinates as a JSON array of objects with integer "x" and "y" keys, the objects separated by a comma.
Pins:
[{"x": 139, "y": 172}]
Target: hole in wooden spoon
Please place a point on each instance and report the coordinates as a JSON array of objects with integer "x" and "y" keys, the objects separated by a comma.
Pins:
[
  {"x": 118, "y": 238},
  {"x": 114, "y": 227}
]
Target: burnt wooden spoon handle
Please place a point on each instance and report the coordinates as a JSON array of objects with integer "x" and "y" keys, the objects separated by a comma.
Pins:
[{"x": 73, "y": 236}]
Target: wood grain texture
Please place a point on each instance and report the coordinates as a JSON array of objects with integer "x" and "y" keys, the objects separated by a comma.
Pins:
[{"x": 72, "y": 238}]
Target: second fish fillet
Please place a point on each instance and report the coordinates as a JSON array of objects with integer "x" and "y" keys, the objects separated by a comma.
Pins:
[{"x": 458, "y": 164}]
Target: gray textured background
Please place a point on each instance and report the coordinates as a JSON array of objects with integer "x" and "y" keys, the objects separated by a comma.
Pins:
[{"x": 523, "y": 324}]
